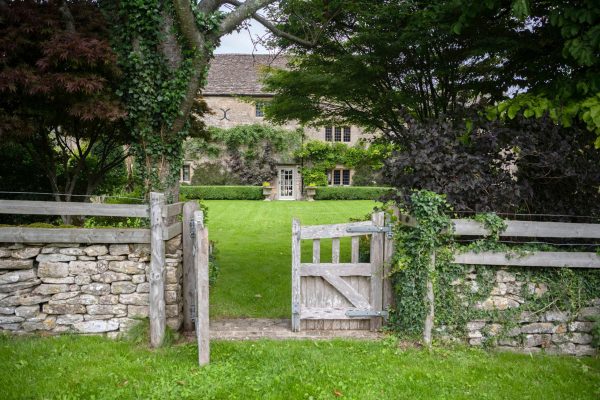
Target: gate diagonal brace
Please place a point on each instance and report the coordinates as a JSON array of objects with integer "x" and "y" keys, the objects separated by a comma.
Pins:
[{"x": 366, "y": 314}]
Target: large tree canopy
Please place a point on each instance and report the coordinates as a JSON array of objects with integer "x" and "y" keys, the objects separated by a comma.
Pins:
[{"x": 378, "y": 59}]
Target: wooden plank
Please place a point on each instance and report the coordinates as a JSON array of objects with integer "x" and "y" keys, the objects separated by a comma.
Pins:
[
  {"x": 429, "y": 302},
  {"x": 76, "y": 235},
  {"x": 202, "y": 313},
  {"x": 377, "y": 240},
  {"x": 335, "y": 250},
  {"x": 296, "y": 235},
  {"x": 469, "y": 227},
  {"x": 355, "y": 252},
  {"x": 172, "y": 230},
  {"x": 72, "y": 208},
  {"x": 328, "y": 313},
  {"x": 340, "y": 269},
  {"x": 316, "y": 256},
  {"x": 172, "y": 210},
  {"x": 534, "y": 259},
  {"x": 189, "y": 270},
  {"x": 157, "y": 271},
  {"x": 388, "y": 300},
  {"x": 331, "y": 231},
  {"x": 346, "y": 290}
]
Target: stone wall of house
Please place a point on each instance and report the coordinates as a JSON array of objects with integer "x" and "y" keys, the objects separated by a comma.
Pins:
[
  {"x": 57, "y": 287},
  {"x": 547, "y": 329}
]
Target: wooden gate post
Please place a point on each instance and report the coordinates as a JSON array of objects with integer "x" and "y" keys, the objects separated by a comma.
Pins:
[
  {"x": 296, "y": 275},
  {"x": 429, "y": 301},
  {"x": 388, "y": 255},
  {"x": 156, "y": 297},
  {"x": 377, "y": 269},
  {"x": 202, "y": 307},
  {"x": 189, "y": 270}
]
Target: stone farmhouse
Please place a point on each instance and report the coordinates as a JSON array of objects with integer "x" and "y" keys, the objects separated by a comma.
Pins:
[{"x": 233, "y": 79}]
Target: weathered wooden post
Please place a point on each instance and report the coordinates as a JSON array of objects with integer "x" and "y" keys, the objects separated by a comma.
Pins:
[
  {"x": 156, "y": 296},
  {"x": 189, "y": 270},
  {"x": 388, "y": 256},
  {"x": 377, "y": 239},
  {"x": 429, "y": 301},
  {"x": 201, "y": 261},
  {"x": 296, "y": 275}
]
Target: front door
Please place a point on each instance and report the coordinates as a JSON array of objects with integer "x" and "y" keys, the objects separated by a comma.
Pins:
[{"x": 286, "y": 184}]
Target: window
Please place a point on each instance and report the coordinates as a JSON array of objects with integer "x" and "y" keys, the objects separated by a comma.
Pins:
[
  {"x": 346, "y": 134},
  {"x": 341, "y": 177},
  {"x": 328, "y": 134},
  {"x": 334, "y": 134},
  {"x": 346, "y": 177},
  {"x": 260, "y": 108},
  {"x": 186, "y": 173},
  {"x": 338, "y": 134}
]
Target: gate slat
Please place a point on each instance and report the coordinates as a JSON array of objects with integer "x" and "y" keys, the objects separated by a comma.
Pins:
[
  {"x": 335, "y": 250},
  {"x": 377, "y": 269},
  {"x": 341, "y": 269},
  {"x": 316, "y": 251},
  {"x": 355, "y": 249}
]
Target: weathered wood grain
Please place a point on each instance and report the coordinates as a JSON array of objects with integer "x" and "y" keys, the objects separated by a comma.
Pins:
[
  {"x": 169, "y": 232},
  {"x": 296, "y": 235},
  {"x": 468, "y": 227},
  {"x": 76, "y": 235},
  {"x": 338, "y": 269},
  {"x": 172, "y": 210},
  {"x": 331, "y": 231},
  {"x": 202, "y": 313},
  {"x": 346, "y": 290},
  {"x": 157, "y": 271},
  {"x": 535, "y": 259},
  {"x": 316, "y": 255},
  {"x": 189, "y": 270},
  {"x": 335, "y": 250},
  {"x": 377, "y": 240},
  {"x": 355, "y": 251},
  {"x": 72, "y": 208},
  {"x": 430, "y": 303}
]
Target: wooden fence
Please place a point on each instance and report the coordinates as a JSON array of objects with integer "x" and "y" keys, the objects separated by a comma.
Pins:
[
  {"x": 515, "y": 229},
  {"x": 164, "y": 225}
]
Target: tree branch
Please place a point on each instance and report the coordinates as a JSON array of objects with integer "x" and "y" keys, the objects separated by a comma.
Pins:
[
  {"x": 242, "y": 12},
  {"x": 270, "y": 26}
]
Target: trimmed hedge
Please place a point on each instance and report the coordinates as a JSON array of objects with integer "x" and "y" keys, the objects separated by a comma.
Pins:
[
  {"x": 350, "y": 192},
  {"x": 221, "y": 192}
]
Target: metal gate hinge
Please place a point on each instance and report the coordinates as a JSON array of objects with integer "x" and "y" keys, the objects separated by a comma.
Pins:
[
  {"x": 371, "y": 229},
  {"x": 295, "y": 308},
  {"x": 366, "y": 314},
  {"x": 193, "y": 229}
]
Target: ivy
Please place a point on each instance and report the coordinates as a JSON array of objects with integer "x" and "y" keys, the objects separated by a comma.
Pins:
[{"x": 460, "y": 288}]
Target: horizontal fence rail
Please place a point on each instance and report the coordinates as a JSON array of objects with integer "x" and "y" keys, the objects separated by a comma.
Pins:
[
  {"x": 73, "y": 208},
  {"x": 533, "y": 259},
  {"x": 75, "y": 235}
]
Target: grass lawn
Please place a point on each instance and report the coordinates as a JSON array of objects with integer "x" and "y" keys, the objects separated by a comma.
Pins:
[
  {"x": 254, "y": 243},
  {"x": 71, "y": 367}
]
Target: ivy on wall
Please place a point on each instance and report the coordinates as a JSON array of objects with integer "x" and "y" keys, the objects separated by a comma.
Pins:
[{"x": 547, "y": 289}]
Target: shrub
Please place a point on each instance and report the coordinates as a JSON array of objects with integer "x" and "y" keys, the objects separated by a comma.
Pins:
[
  {"x": 221, "y": 192},
  {"x": 350, "y": 193}
]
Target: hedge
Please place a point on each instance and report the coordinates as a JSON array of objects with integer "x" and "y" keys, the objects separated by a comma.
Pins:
[
  {"x": 221, "y": 192},
  {"x": 350, "y": 192}
]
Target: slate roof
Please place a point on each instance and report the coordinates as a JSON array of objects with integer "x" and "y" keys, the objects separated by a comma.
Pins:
[{"x": 239, "y": 74}]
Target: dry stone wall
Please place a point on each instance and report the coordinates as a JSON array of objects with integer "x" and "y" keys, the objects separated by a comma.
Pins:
[
  {"x": 511, "y": 325},
  {"x": 57, "y": 287}
]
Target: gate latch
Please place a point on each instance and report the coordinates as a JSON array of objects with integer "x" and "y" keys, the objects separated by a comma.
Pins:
[{"x": 371, "y": 229}]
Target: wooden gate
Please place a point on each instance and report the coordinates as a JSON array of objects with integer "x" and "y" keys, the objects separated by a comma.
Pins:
[{"x": 336, "y": 295}]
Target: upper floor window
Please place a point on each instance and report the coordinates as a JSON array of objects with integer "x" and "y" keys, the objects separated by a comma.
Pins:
[
  {"x": 260, "y": 108},
  {"x": 337, "y": 134}
]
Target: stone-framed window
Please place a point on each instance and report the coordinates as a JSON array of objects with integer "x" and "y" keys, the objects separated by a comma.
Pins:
[
  {"x": 337, "y": 134},
  {"x": 347, "y": 134},
  {"x": 259, "y": 109},
  {"x": 328, "y": 134},
  {"x": 186, "y": 173},
  {"x": 340, "y": 177}
]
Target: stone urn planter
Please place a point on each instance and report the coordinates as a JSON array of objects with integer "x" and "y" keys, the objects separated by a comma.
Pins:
[
  {"x": 267, "y": 192},
  {"x": 310, "y": 193}
]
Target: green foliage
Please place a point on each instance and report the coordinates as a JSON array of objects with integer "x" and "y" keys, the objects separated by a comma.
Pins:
[
  {"x": 221, "y": 192},
  {"x": 350, "y": 193},
  {"x": 213, "y": 173},
  {"x": 139, "y": 334},
  {"x": 320, "y": 157},
  {"x": 412, "y": 262},
  {"x": 494, "y": 224}
]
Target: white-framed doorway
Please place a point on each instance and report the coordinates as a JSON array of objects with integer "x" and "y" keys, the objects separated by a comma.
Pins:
[{"x": 286, "y": 178}]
